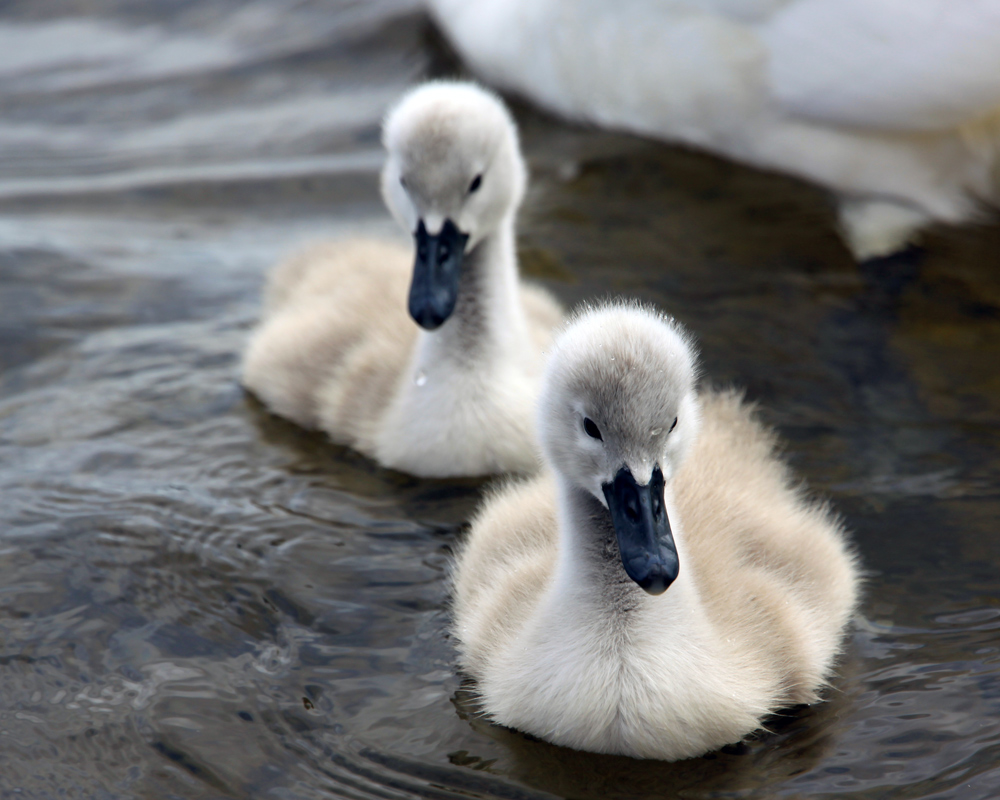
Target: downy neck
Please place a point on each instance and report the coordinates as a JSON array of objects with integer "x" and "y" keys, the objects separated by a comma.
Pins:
[
  {"x": 590, "y": 572},
  {"x": 488, "y": 322}
]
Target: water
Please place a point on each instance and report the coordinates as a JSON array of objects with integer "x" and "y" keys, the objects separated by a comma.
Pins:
[{"x": 201, "y": 601}]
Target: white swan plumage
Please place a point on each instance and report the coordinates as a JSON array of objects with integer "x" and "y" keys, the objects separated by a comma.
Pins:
[
  {"x": 892, "y": 104},
  {"x": 663, "y": 585},
  {"x": 336, "y": 348}
]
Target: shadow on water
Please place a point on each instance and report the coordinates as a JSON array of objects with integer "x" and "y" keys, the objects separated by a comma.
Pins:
[{"x": 201, "y": 600}]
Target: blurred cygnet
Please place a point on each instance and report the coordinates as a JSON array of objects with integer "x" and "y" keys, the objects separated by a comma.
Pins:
[{"x": 336, "y": 348}]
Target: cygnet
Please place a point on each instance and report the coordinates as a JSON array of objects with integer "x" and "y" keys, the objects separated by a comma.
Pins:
[
  {"x": 337, "y": 347},
  {"x": 666, "y": 583}
]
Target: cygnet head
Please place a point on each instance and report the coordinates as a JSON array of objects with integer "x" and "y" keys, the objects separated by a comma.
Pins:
[
  {"x": 454, "y": 172},
  {"x": 617, "y": 414}
]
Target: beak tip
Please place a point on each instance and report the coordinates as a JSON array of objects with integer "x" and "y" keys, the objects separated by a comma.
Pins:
[
  {"x": 656, "y": 577},
  {"x": 657, "y": 584},
  {"x": 426, "y": 319}
]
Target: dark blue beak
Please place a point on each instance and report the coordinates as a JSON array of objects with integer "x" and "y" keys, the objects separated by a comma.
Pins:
[
  {"x": 434, "y": 290},
  {"x": 645, "y": 541}
]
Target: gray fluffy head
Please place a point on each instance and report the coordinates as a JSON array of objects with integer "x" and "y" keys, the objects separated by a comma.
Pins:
[
  {"x": 631, "y": 371},
  {"x": 440, "y": 138}
]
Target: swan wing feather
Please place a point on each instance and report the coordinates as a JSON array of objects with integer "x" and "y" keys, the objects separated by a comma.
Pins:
[{"x": 915, "y": 65}]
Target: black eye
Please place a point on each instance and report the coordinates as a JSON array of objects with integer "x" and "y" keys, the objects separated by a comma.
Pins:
[
  {"x": 476, "y": 183},
  {"x": 674, "y": 425},
  {"x": 402, "y": 181},
  {"x": 592, "y": 430}
]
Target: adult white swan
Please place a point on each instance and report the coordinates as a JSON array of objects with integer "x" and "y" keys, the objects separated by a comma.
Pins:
[
  {"x": 892, "y": 104},
  {"x": 665, "y": 584},
  {"x": 336, "y": 348}
]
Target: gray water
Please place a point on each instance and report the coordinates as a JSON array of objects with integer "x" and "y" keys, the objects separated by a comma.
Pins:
[{"x": 201, "y": 601}]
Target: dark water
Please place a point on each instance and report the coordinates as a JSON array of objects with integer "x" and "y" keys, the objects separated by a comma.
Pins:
[{"x": 200, "y": 601}]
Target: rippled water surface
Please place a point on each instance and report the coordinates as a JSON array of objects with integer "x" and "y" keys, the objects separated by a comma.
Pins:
[{"x": 200, "y": 600}]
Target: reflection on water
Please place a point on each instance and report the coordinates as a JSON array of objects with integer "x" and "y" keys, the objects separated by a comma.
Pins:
[{"x": 200, "y": 600}]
